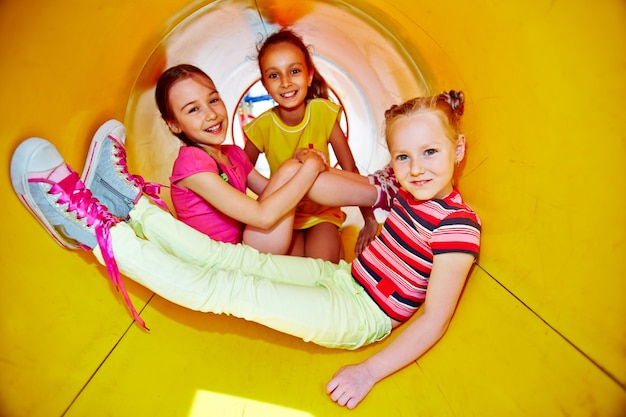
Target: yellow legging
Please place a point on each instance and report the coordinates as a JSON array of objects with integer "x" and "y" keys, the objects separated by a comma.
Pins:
[{"x": 312, "y": 299}]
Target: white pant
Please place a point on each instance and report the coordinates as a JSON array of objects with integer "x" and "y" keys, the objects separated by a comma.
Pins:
[{"x": 312, "y": 299}]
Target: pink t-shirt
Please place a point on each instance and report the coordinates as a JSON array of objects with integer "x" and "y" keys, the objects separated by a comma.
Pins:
[{"x": 196, "y": 211}]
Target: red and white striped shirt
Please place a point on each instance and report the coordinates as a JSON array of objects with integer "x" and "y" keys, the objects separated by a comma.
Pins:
[{"x": 394, "y": 269}]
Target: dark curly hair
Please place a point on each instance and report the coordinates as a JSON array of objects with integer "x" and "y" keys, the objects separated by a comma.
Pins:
[{"x": 319, "y": 87}]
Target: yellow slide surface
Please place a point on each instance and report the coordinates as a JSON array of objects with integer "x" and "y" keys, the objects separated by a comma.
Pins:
[{"x": 540, "y": 329}]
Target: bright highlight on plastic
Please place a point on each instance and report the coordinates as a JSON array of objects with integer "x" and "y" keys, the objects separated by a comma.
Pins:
[{"x": 213, "y": 404}]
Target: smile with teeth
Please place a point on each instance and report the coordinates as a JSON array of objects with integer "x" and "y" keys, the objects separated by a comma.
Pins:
[
  {"x": 288, "y": 95},
  {"x": 214, "y": 128}
]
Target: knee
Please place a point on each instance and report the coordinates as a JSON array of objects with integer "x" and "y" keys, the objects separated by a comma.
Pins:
[{"x": 288, "y": 169}]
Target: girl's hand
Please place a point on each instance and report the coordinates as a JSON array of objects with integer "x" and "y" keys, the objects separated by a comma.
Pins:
[
  {"x": 366, "y": 234},
  {"x": 300, "y": 154},
  {"x": 350, "y": 385},
  {"x": 303, "y": 155},
  {"x": 312, "y": 155}
]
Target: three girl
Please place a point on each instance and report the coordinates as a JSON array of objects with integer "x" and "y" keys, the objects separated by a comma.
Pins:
[
  {"x": 303, "y": 118},
  {"x": 421, "y": 258}
]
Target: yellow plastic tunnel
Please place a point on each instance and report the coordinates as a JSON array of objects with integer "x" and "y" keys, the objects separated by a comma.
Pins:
[{"x": 539, "y": 330}]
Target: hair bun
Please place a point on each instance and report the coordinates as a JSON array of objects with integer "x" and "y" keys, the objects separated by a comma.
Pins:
[
  {"x": 391, "y": 110},
  {"x": 456, "y": 100}
]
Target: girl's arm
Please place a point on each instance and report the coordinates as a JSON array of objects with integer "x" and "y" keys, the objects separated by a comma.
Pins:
[
  {"x": 352, "y": 383},
  {"x": 256, "y": 182},
  {"x": 339, "y": 142},
  {"x": 262, "y": 214},
  {"x": 252, "y": 151}
]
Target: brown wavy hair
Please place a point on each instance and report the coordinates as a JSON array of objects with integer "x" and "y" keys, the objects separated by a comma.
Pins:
[{"x": 165, "y": 83}]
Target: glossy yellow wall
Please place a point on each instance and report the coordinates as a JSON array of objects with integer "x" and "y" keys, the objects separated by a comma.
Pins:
[{"x": 540, "y": 329}]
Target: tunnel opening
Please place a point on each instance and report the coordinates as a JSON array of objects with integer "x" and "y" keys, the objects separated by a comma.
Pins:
[{"x": 361, "y": 56}]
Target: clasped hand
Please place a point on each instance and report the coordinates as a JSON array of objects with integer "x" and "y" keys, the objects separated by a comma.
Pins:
[{"x": 302, "y": 154}]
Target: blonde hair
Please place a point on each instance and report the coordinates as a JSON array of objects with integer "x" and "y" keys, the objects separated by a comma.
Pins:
[{"x": 447, "y": 106}]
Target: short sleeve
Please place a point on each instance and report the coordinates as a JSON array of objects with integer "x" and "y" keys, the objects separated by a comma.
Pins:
[
  {"x": 458, "y": 232},
  {"x": 191, "y": 161}
]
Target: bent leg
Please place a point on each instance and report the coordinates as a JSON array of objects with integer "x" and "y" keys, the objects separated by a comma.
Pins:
[
  {"x": 191, "y": 246},
  {"x": 296, "y": 248},
  {"x": 338, "y": 188},
  {"x": 276, "y": 239},
  {"x": 323, "y": 241},
  {"x": 334, "y": 188}
]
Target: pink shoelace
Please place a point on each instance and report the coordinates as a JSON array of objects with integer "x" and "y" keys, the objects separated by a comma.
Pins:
[
  {"x": 151, "y": 189},
  {"x": 80, "y": 201}
]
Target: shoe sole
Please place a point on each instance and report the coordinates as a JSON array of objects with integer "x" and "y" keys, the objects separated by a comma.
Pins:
[
  {"x": 25, "y": 161},
  {"x": 95, "y": 148}
]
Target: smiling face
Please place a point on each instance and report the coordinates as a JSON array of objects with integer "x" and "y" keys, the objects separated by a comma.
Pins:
[
  {"x": 285, "y": 75},
  {"x": 423, "y": 156},
  {"x": 198, "y": 111}
]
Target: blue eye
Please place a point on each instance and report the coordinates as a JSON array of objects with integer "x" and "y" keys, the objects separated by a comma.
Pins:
[
  {"x": 402, "y": 157},
  {"x": 430, "y": 152}
]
